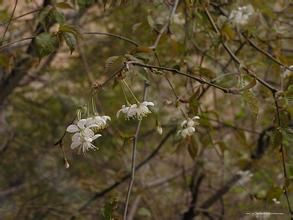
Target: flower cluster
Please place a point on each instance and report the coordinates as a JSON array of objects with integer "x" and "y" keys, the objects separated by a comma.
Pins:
[
  {"x": 242, "y": 14},
  {"x": 84, "y": 132},
  {"x": 188, "y": 126},
  {"x": 137, "y": 111}
]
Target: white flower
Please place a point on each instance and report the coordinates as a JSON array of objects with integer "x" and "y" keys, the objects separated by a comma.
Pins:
[
  {"x": 136, "y": 110},
  {"x": 288, "y": 73},
  {"x": 159, "y": 129},
  {"x": 143, "y": 110},
  {"x": 276, "y": 201},
  {"x": 241, "y": 15},
  {"x": 84, "y": 140},
  {"x": 188, "y": 126},
  {"x": 83, "y": 135},
  {"x": 187, "y": 131},
  {"x": 245, "y": 176},
  {"x": 100, "y": 122}
]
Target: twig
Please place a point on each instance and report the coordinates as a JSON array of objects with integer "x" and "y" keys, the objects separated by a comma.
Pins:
[
  {"x": 133, "y": 158},
  {"x": 225, "y": 90},
  {"x": 235, "y": 58},
  {"x": 10, "y": 19},
  {"x": 14, "y": 42},
  {"x": 112, "y": 35},
  {"x": 22, "y": 15},
  {"x": 264, "y": 52},
  {"x": 165, "y": 27},
  {"x": 134, "y": 207},
  {"x": 283, "y": 160}
]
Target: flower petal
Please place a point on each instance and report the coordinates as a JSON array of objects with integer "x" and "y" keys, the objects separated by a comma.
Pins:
[
  {"x": 88, "y": 133},
  {"x": 146, "y": 103},
  {"x": 72, "y": 128},
  {"x": 81, "y": 123},
  {"x": 76, "y": 137},
  {"x": 96, "y": 136},
  {"x": 75, "y": 144},
  {"x": 105, "y": 117},
  {"x": 183, "y": 123}
]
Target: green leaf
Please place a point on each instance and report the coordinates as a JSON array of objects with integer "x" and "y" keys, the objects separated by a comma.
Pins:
[
  {"x": 63, "y": 5},
  {"x": 277, "y": 137},
  {"x": 250, "y": 85},
  {"x": 289, "y": 95},
  {"x": 44, "y": 14},
  {"x": 70, "y": 40},
  {"x": 274, "y": 192},
  {"x": 107, "y": 211},
  {"x": 114, "y": 64},
  {"x": 46, "y": 44},
  {"x": 57, "y": 16},
  {"x": 228, "y": 32},
  {"x": 70, "y": 29},
  {"x": 144, "y": 212},
  {"x": 85, "y": 3},
  {"x": 208, "y": 73},
  {"x": 251, "y": 100},
  {"x": 227, "y": 80}
]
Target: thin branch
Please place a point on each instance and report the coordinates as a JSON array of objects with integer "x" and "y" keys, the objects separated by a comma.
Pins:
[
  {"x": 22, "y": 15},
  {"x": 134, "y": 207},
  {"x": 85, "y": 64},
  {"x": 112, "y": 35},
  {"x": 236, "y": 52},
  {"x": 235, "y": 58},
  {"x": 14, "y": 42},
  {"x": 264, "y": 52},
  {"x": 225, "y": 90},
  {"x": 133, "y": 157},
  {"x": 10, "y": 19},
  {"x": 165, "y": 27},
  {"x": 283, "y": 160}
]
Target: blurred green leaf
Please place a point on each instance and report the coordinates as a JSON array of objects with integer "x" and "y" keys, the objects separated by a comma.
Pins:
[
  {"x": 251, "y": 101},
  {"x": 70, "y": 40},
  {"x": 46, "y": 44},
  {"x": 113, "y": 64}
]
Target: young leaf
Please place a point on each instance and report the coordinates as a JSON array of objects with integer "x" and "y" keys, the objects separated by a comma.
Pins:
[
  {"x": 251, "y": 84},
  {"x": 70, "y": 40},
  {"x": 57, "y": 16},
  {"x": 63, "y": 5},
  {"x": 114, "y": 64},
  {"x": 46, "y": 44},
  {"x": 251, "y": 101},
  {"x": 277, "y": 137},
  {"x": 70, "y": 29}
]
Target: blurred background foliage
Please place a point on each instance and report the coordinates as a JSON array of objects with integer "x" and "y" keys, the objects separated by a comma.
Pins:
[{"x": 59, "y": 67}]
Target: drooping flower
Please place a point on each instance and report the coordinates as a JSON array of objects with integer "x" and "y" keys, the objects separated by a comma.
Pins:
[
  {"x": 241, "y": 15},
  {"x": 188, "y": 126},
  {"x": 84, "y": 140},
  {"x": 83, "y": 135},
  {"x": 276, "y": 201},
  {"x": 137, "y": 111},
  {"x": 100, "y": 122}
]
